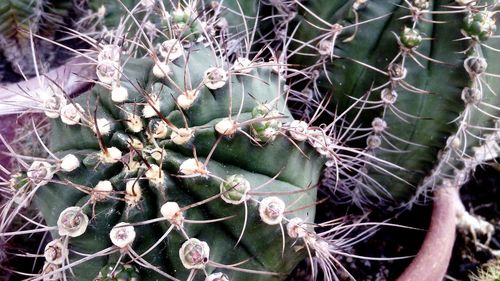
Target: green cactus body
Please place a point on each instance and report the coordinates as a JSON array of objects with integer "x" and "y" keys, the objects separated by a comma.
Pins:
[
  {"x": 153, "y": 166},
  {"x": 410, "y": 113}
]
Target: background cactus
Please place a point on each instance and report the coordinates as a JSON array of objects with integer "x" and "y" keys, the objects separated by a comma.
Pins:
[
  {"x": 44, "y": 19},
  {"x": 408, "y": 73}
]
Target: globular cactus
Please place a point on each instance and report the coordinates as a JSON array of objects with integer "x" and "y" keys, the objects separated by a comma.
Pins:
[
  {"x": 188, "y": 149},
  {"x": 418, "y": 78}
]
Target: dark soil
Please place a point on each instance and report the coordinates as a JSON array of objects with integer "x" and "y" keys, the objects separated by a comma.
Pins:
[
  {"x": 481, "y": 196},
  {"x": 389, "y": 242}
]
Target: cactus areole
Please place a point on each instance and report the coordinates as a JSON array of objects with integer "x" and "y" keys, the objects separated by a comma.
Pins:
[{"x": 166, "y": 192}]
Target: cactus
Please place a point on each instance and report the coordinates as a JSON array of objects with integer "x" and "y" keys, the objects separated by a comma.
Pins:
[
  {"x": 181, "y": 145},
  {"x": 419, "y": 80}
]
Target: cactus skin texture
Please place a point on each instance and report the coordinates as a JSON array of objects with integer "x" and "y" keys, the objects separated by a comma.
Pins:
[
  {"x": 272, "y": 165},
  {"x": 418, "y": 125}
]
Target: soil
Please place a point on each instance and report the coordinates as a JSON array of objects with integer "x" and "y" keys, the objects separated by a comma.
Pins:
[
  {"x": 388, "y": 242},
  {"x": 481, "y": 196}
]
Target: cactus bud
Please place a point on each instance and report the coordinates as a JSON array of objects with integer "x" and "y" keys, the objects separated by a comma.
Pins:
[
  {"x": 421, "y": 4},
  {"x": 157, "y": 128},
  {"x": 155, "y": 175},
  {"x": 122, "y": 235},
  {"x": 226, "y": 127},
  {"x": 102, "y": 191},
  {"x": 181, "y": 15},
  {"x": 134, "y": 122},
  {"x": 378, "y": 125},
  {"x": 265, "y": 130},
  {"x": 171, "y": 49},
  {"x": 242, "y": 65},
  {"x": 111, "y": 155},
  {"x": 187, "y": 98},
  {"x": 158, "y": 154},
  {"x": 119, "y": 94},
  {"x": 133, "y": 193},
  {"x": 325, "y": 46},
  {"x": 271, "y": 210},
  {"x": 72, "y": 222},
  {"x": 475, "y": 66},
  {"x": 118, "y": 272},
  {"x": 194, "y": 254},
  {"x": 388, "y": 96},
  {"x": 234, "y": 190},
  {"x": 215, "y": 78},
  {"x": 104, "y": 126},
  {"x": 172, "y": 212},
  {"x": 71, "y": 114},
  {"x": 108, "y": 71},
  {"x": 181, "y": 136},
  {"x": 109, "y": 52},
  {"x": 150, "y": 109},
  {"x": 298, "y": 130},
  {"x": 40, "y": 172},
  {"x": 410, "y": 37},
  {"x": 69, "y": 163},
  {"x": 480, "y": 26},
  {"x": 193, "y": 167},
  {"x": 161, "y": 69},
  {"x": 296, "y": 228},
  {"x": 453, "y": 142},
  {"x": 471, "y": 96},
  {"x": 47, "y": 270},
  {"x": 397, "y": 72},
  {"x": 55, "y": 252},
  {"x": 53, "y": 105},
  {"x": 373, "y": 141}
]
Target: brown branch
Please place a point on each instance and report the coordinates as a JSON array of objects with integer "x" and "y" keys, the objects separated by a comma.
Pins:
[{"x": 432, "y": 260}]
